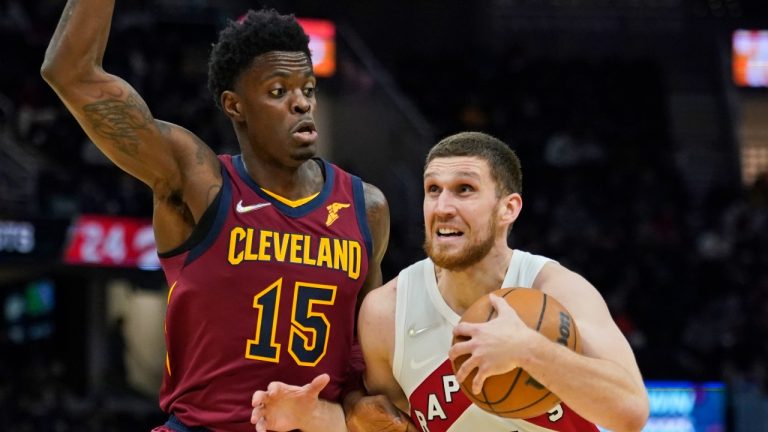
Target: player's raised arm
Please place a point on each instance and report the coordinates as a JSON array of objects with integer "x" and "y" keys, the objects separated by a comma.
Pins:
[{"x": 181, "y": 170}]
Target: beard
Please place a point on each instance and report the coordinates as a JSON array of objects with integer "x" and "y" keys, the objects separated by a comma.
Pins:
[{"x": 468, "y": 256}]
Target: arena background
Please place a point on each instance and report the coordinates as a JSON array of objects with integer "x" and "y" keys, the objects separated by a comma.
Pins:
[{"x": 645, "y": 170}]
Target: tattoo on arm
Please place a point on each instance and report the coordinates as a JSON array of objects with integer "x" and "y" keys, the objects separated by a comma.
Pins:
[
  {"x": 201, "y": 152},
  {"x": 163, "y": 128},
  {"x": 120, "y": 121}
]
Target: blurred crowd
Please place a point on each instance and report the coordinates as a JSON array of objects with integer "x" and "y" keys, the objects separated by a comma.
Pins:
[
  {"x": 686, "y": 280},
  {"x": 685, "y": 277}
]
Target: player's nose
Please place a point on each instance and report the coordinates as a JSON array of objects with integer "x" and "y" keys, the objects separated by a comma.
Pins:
[
  {"x": 300, "y": 103},
  {"x": 445, "y": 204}
]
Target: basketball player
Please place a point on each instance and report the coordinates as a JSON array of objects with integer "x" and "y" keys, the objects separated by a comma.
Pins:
[
  {"x": 472, "y": 186},
  {"x": 265, "y": 252}
]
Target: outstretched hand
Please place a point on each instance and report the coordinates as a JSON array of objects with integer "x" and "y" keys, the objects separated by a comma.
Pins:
[{"x": 282, "y": 406}]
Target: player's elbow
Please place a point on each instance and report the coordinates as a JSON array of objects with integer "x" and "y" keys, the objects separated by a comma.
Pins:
[
  {"x": 634, "y": 415},
  {"x": 47, "y": 71},
  {"x": 60, "y": 74},
  {"x": 53, "y": 73}
]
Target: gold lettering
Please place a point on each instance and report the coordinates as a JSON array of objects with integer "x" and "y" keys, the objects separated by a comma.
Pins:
[
  {"x": 307, "y": 249},
  {"x": 295, "y": 248},
  {"x": 236, "y": 235},
  {"x": 281, "y": 246},
  {"x": 340, "y": 254},
  {"x": 354, "y": 260},
  {"x": 324, "y": 253},
  {"x": 335, "y": 253},
  {"x": 249, "y": 255},
  {"x": 263, "y": 244}
]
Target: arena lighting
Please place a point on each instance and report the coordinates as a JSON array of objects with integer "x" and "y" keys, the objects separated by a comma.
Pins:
[
  {"x": 685, "y": 406},
  {"x": 111, "y": 241},
  {"x": 749, "y": 50},
  {"x": 322, "y": 44},
  {"x": 682, "y": 406},
  {"x": 28, "y": 311},
  {"x": 34, "y": 241},
  {"x": 17, "y": 237}
]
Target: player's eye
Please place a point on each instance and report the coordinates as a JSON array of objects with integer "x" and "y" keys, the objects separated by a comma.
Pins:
[
  {"x": 277, "y": 92},
  {"x": 310, "y": 92}
]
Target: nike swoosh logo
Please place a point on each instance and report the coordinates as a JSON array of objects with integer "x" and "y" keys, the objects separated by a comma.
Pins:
[
  {"x": 412, "y": 332},
  {"x": 245, "y": 209}
]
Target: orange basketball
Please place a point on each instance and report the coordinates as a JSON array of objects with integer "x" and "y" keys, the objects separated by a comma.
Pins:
[{"x": 516, "y": 394}]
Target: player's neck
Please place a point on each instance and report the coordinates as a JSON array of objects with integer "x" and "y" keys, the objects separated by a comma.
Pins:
[
  {"x": 291, "y": 183},
  {"x": 461, "y": 288}
]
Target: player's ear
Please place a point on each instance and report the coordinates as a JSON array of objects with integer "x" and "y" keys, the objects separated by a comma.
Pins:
[
  {"x": 510, "y": 208},
  {"x": 230, "y": 102}
]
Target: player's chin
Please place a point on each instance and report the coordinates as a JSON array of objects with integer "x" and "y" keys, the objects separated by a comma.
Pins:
[{"x": 304, "y": 153}]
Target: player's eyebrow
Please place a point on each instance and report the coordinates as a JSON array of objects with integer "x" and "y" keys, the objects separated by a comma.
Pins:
[
  {"x": 471, "y": 174},
  {"x": 282, "y": 73}
]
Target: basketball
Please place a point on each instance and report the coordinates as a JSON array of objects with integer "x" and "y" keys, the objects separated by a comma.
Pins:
[{"x": 516, "y": 394}]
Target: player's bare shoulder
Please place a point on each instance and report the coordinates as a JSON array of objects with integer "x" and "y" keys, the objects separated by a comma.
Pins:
[
  {"x": 377, "y": 316},
  {"x": 377, "y": 211},
  {"x": 555, "y": 277},
  {"x": 375, "y": 204},
  {"x": 380, "y": 302},
  {"x": 571, "y": 289}
]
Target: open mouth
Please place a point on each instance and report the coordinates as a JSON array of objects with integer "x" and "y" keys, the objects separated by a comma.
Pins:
[
  {"x": 305, "y": 132},
  {"x": 449, "y": 232},
  {"x": 305, "y": 129}
]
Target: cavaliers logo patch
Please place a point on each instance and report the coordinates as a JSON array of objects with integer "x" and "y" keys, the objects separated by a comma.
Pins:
[{"x": 333, "y": 212}]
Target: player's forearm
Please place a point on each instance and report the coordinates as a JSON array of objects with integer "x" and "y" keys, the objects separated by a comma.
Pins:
[
  {"x": 77, "y": 46},
  {"x": 327, "y": 416},
  {"x": 599, "y": 390}
]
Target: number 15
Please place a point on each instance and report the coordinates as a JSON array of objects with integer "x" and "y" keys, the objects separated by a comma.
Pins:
[{"x": 310, "y": 330}]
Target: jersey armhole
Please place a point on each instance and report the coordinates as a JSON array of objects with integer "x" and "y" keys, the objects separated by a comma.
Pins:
[
  {"x": 400, "y": 297},
  {"x": 208, "y": 227},
  {"x": 361, "y": 213}
]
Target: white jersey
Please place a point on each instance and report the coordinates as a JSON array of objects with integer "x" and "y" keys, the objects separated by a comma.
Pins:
[{"x": 424, "y": 326}]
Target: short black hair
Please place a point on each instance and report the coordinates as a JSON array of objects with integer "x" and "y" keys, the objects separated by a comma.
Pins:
[
  {"x": 241, "y": 41},
  {"x": 502, "y": 160}
]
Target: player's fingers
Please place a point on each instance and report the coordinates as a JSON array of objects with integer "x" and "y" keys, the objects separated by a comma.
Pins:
[
  {"x": 368, "y": 413},
  {"x": 318, "y": 384},
  {"x": 465, "y": 329},
  {"x": 477, "y": 382},
  {"x": 276, "y": 387},
  {"x": 460, "y": 348},
  {"x": 261, "y": 425},
  {"x": 255, "y": 415},
  {"x": 499, "y": 304},
  {"x": 258, "y": 398},
  {"x": 465, "y": 369}
]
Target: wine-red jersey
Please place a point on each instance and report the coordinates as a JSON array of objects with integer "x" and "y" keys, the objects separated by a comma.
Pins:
[{"x": 264, "y": 292}]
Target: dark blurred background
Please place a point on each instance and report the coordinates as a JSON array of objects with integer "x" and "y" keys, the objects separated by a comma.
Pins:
[{"x": 645, "y": 169}]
